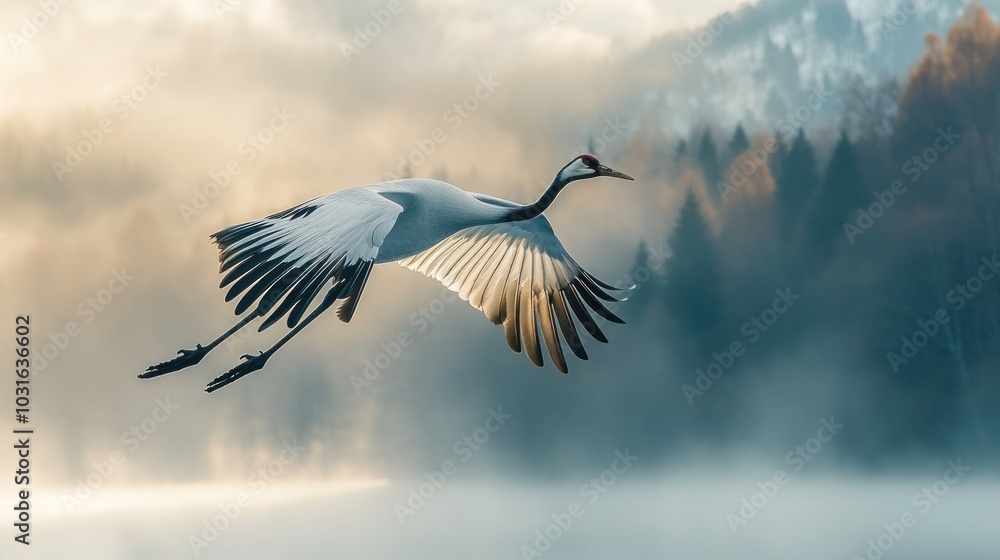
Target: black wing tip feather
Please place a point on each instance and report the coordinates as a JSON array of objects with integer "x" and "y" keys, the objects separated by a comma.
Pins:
[
  {"x": 585, "y": 292},
  {"x": 300, "y": 211},
  {"x": 607, "y": 286},
  {"x": 233, "y": 234},
  {"x": 576, "y": 305},
  {"x": 357, "y": 278},
  {"x": 560, "y": 310},
  {"x": 283, "y": 287}
]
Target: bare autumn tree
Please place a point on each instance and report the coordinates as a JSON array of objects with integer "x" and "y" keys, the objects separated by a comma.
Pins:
[
  {"x": 954, "y": 84},
  {"x": 943, "y": 360},
  {"x": 947, "y": 289},
  {"x": 870, "y": 110},
  {"x": 957, "y": 81}
]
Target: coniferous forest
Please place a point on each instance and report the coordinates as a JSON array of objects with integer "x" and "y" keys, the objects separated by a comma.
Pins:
[{"x": 886, "y": 229}]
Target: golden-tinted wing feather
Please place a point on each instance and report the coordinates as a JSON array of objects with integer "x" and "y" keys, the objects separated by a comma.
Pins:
[{"x": 520, "y": 276}]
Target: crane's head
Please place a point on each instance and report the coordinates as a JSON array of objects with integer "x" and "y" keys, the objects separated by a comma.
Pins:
[{"x": 586, "y": 166}]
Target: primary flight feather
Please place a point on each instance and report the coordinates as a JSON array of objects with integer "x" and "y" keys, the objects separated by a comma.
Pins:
[{"x": 501, "y": 257}]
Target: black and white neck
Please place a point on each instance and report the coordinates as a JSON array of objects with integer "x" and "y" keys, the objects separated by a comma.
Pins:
[{"x": 581, "y": 167}]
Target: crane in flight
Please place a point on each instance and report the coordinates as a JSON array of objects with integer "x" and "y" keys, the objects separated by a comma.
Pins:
[{"x": 501, "y": 257}]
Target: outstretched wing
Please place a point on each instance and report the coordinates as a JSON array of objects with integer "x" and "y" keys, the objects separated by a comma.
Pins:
[
  {"x": 283, "y": 261},
  {"x": 519, "y": 275}
]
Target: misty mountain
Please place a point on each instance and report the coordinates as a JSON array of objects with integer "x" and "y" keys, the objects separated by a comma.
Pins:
[{"x": 761, "y": 62}]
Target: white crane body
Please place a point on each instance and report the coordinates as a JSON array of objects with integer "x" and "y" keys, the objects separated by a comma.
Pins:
[{"x": 501, "y": 257}]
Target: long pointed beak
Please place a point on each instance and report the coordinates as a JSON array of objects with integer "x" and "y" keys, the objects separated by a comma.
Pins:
[{"x": 605, "y": 171}]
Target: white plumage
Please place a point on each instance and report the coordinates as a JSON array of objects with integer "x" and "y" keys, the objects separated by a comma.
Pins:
[{"x": 501, "y": 257}]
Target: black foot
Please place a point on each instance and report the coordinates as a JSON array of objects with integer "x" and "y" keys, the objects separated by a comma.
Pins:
[
  {"x": 252, "y": 364},
  {"x": 187, "y": 358}
]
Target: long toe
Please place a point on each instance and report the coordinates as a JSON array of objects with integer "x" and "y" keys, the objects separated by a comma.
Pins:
[
  {"x": 252, "y": 364},
  {"x": 185, "y": 359}
]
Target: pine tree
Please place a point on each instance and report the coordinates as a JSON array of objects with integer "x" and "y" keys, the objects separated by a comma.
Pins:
[
  {"x": 797, "y": 181},
  {"x": 739, "y": 142},
  {"x": 681, "y": 152},
  {"x": 692, "y": 287},
  {"x": 708, "y": 160},
  {"x": 842, "y": 190},
  {"x": 776, "y": 161},
  {"x": 646, "y": 278}
]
